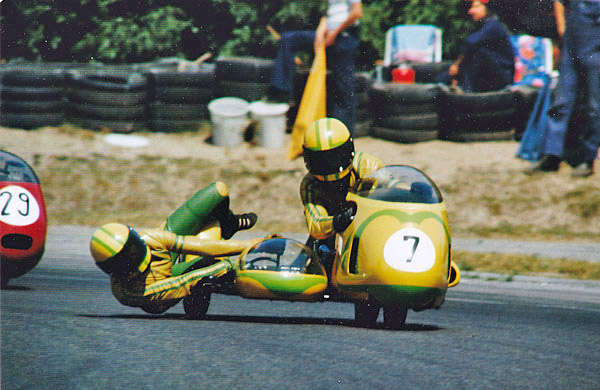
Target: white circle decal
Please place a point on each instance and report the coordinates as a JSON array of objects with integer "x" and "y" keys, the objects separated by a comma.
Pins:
[
  {"x": 18, "y": 207},
  {"x": 409, "y": 250}
]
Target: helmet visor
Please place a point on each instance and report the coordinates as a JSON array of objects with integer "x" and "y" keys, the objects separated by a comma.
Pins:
[
  {"x": 129, "y": 258},
  {"x": 329, "y": 162}
]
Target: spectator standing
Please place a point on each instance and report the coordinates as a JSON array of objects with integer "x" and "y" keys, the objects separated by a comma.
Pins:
[
  {"x": 487, "y": 59},
  {"x": 338, "y": 31},
  {"x": 578, "y": 23}
]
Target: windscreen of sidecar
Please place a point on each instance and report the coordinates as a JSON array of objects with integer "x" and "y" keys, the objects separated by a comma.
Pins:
[
  {"x": 281, "y": 255},
  {"x": 401, "y": 183},
  {"x": 14, "y": 169}
]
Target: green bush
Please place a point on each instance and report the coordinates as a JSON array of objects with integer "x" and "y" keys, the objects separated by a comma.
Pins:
[{"x": 131, "y": 31}]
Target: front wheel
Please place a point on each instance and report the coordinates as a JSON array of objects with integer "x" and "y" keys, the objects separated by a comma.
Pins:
[
  {"x": 366, "y": 313},
  {"x": 394, "y": 316},
  {"x": 196, "y": 305}
]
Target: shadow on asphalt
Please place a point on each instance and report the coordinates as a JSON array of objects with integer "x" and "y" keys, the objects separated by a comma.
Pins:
[{"x": 268, "y": 320}]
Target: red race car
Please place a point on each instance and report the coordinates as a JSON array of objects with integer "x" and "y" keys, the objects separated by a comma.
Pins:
[{"x": 22, "y": 217}]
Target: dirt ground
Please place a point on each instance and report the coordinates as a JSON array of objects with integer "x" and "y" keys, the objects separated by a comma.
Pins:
[{"x": 484, "y": 188}]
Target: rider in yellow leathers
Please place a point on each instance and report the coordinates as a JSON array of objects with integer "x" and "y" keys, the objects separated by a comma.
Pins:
[
  {"x": 144, "y": 267},
  {"x": 334, "y": 168}
]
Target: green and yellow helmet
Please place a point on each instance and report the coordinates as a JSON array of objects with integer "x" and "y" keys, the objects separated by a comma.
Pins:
[
  {"x": 328, "y": 149},
  {"x": 119, "y": 250}
]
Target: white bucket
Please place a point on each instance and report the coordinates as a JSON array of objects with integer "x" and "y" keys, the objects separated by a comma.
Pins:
[
  {"x": 271, "y": 120},
  {"x": 229, "y": 117}
]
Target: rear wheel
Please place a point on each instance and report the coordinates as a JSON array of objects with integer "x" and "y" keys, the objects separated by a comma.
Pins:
[
  {"x": 366, "y": 313},
  {"x": 394, "y": 316},
  {"x": 196, "y": 305}
]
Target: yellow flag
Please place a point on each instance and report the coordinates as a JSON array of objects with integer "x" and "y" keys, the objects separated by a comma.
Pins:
[{"x": 313, "y": 105}]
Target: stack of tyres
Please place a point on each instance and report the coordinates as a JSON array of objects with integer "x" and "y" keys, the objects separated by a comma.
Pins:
[
  {"x": 243, "y": 77},
  {"x": 477, "y": 116},
  {"x": 179, "y": 100},
  {"x": 362, "y": 84},
  {"x": 108, "y": 99},
  {"x": 31, "y": 97},
  {"x": 404, "y": 113}
]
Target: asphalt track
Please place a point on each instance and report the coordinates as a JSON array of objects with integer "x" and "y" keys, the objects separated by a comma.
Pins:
[{"x": 62, "y": 329}]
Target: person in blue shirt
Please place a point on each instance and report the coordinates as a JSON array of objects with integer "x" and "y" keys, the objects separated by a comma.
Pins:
[{"x": 487, "y": 59}]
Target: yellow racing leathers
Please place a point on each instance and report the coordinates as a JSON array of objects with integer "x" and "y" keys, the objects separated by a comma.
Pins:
[
  {"x": 156, "y": 290},
  {"x": 322, "y": 199}
]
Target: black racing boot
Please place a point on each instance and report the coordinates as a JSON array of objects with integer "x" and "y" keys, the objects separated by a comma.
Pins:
[
  {"x": 548, "y": 163},
  {"x": 237, "y": 222}
]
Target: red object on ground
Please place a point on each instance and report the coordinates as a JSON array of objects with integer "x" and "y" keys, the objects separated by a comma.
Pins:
[{"x": 403, "y": 74}]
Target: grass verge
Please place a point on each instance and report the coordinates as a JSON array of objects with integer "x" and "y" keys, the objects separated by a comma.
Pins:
[{"x": 526, "y": 265}]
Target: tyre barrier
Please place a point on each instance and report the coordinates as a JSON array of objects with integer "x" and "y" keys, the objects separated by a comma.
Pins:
[
  {"x": 525, "y": 97},
  {"x": 245, "y": 77},
  {"x": 179, "y": 100},
  {"x": 31, "y": 97},
  {"x": 103, "y": 100},
  {"x": 126, "y": 98},
  {"x": 477, "y": 116},
  {"x": 404, "y": 113}
]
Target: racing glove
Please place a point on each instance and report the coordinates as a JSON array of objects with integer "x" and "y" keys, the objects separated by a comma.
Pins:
[{"x": 342, "y": 220}]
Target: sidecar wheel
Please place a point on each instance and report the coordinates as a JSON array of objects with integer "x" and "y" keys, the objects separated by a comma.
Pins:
[
  {"x": 196, "y": 305},
  {"x": 394, "y": 316},
  {"x": 366, "y": 313}
]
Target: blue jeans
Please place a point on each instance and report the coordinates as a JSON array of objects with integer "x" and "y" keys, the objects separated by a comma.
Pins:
[
  {"x": 340, "y": 60},
  {"x": 579, "y": 83}
]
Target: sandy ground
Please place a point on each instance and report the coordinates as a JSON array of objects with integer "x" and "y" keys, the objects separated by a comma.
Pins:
[{"x": 482, "y": 183}]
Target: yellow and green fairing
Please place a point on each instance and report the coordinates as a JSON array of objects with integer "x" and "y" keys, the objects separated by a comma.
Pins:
[
  {"x": 280, "y": 269},
  {"x": 397, "y": 249}
]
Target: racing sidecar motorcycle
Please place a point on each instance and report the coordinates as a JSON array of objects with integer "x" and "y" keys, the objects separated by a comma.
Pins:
[{"x": 395, "y": 255}]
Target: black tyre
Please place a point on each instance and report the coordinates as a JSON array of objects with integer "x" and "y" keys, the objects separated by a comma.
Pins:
[
  {"x": 31, "y": 120},
  {"x": 402, "y": 99},
  {"x": 98, "y": 111},
  {"x": 196, "y": 305},
  {"x": 108, "y": 98},
  {"x": 9, "y": 93},
  {"x": 477, "y": 101},
  {"x": 249, "y": 91},
  {"x": 366, "y": 313},
  {"x": 247, "y": 69},
  {"x": 394, "y": 316},
  {"x": 429, "y": 71},
  {"x": 158, "y": 110},
  {"x": 33, "y": 77},
  {"x": 15, "y": 106},
  {"x": 173, "y": 125},
  {"x": 184, "y": 95},
  {"x": 396, "y": 93},
  {"x": 105, "y": 81},
  {"x": 415, "y": 122},
  {"x": 485, "y": 121},
  {"x": 204, "y": 77},
  {"x": 404, "y": 135}
]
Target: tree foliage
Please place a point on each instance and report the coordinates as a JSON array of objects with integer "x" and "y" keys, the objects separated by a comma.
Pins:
[{"x": 143, "y": 30}]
